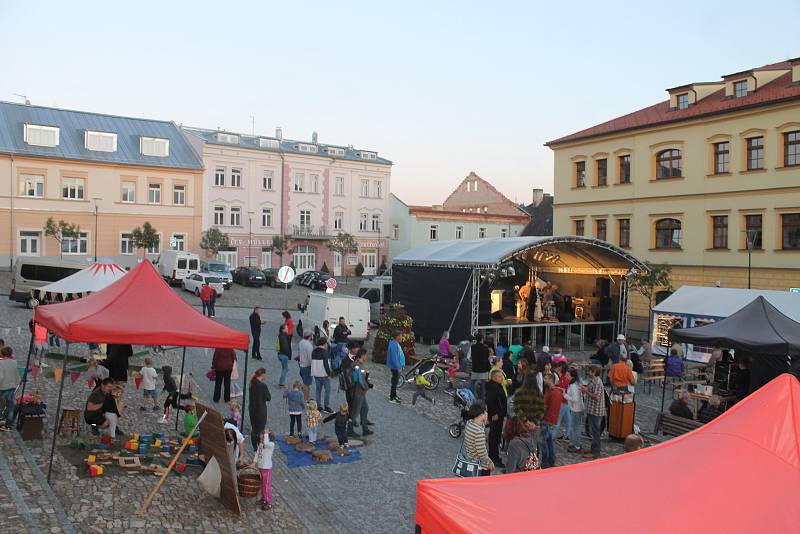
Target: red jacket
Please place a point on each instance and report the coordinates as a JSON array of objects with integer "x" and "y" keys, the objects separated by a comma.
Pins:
[
  {"x": 552, "y": 405},
  {"x": 223, "y": 359},
  {"x": 205, "y": 293}
]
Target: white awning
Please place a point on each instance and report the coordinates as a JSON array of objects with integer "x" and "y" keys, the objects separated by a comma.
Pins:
[
  {"x": 720, "y": 302},
  {"x": 93, "y": 278}
]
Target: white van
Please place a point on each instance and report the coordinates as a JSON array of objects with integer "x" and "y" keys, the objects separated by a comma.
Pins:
[
  {"x": 32, "y": 273},
  {"x": 378, "y": 291},
  {"x": 320, "y": 307},
  {"x": 219, "y": 269},
  {"x": 175, "y": 265}
]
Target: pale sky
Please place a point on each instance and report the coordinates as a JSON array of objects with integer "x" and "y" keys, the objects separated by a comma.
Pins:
[{"x": 440, "y": 88}]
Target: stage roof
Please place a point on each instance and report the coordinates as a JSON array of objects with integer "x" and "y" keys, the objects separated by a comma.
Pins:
[{"x": 720, "y": 302}]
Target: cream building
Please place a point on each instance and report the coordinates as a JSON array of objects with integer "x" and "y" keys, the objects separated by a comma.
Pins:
[{"x": 688, "y": 180}]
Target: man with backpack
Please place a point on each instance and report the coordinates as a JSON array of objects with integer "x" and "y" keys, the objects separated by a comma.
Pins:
[{"x": 321, "y": 372}]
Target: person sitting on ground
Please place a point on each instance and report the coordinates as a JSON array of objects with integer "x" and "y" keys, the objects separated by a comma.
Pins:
[
  {"x": 674, "y": 364},
  {"x": 93, "y": 412},
  {"x": 711, "y": 410},
  {"x": 633, "y": 442},
  {"x": 520, "y": 445},
  {"x": 680, "y": 406},
  {"x": 621, "y": 375}
]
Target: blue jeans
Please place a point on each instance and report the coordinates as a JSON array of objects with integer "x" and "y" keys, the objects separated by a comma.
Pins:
[
  {"x": 479, "y": 388},
  {"x": 546, "y": 431},
  {"x": 284, "y": 368},
  {"x": 359, "y": 414},
  {"x": 596, "y": 430},
  {"x": 574, "y": 426},
  {"x": 7, "y": 396},
  {"x": 323, "y": 382},
  {"x": 563, "y": 417}
]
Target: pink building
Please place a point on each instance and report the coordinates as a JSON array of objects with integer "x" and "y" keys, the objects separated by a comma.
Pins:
[{"x": 258, "y": 187}]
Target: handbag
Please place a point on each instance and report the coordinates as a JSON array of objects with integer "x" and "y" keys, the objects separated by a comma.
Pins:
[
  {"x": 531, "y": 463},
  {"x": 465, "y": 466},
  {"x": 211, "y": 374}
]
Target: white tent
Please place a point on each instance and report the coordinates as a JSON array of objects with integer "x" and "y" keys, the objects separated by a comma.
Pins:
[
  {"x": 93, "y": 278},
  {"x": 720, "y": 302}
]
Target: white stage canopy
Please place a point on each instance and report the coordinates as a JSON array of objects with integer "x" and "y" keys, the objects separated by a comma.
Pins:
[{"x": 720, "y": 302}]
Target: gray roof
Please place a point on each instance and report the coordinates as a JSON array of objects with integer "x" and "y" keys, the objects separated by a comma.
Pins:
[
  {"x": 72, "y": 126},
  {"x": 720, "y": 302},
  {"x": 286, "y": 145}
]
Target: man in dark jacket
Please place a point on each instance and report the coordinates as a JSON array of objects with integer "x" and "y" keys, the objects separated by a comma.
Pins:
[
  {"x": 341, "y": 335},
  {"x": 347, "y": 384},
  {"x": 255, "y": 329},
  {"x": 222, "y": 363},
  {"x": 480, "y": 367},
  {"x": 496, "y": 407},
  {"x": 117, "y": 362}
]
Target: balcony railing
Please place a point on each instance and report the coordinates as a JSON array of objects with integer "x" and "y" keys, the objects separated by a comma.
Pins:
[{"x": 308, "y": 231}]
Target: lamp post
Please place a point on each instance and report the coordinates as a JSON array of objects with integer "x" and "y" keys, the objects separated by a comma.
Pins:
[
  {"x": 250, "y": 241},
  {"x": 96, "y": 201},
  {"x": 751, "y": 241}
]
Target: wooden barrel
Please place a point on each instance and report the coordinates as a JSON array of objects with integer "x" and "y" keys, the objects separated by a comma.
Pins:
[{"x": 249, "y": 481}]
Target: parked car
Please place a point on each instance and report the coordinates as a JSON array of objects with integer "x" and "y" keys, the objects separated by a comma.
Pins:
[
  {"x": 318, "y": 281},
  {"x": 271, "y": 277},
  {"x": 306, "y": 277},
  {"x": 194, "y": 282},
  {"x": 217, "y": 268},
  {"x": 175, "y": 265},
  {"x": 247, "y": 276}
]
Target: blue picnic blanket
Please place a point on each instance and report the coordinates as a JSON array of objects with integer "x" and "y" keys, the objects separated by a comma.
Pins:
[{"x": 303, "y": 459}]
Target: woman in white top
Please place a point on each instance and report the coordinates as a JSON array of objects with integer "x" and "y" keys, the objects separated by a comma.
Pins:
[
  {"x": 545, "y": 368},
  {"x": 263, "y": 462},
  {"x": 574, "y": 399}
]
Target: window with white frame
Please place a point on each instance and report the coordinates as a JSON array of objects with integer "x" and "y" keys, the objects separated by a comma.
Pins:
[
  {"x": 236, "y": 216},
  {"x": 126, "y": 245},
  {"x": 30, "y": 243},
  {"x": 156, "y": 248},
  {"x": 338, "y": 220},
  {"x": 39, "y": 135},
  {"x": 154, "y": 193},
  {"x": 178, "y": 242},
  {"x": 368, "y": 155},
  {"x": 266, "y": 217},
  {"x": 335, "y": 151},
  {"x": 395, "y": 231},
  {"x": 305, "y": 218},
  {"x": 179, "y": 195},
  {"x": 313, "y": 183},
  {"x": 363, "y": 221},
  {"x": 338, "y": 186},
  {"x": 219, "y": 176},
  {"x": 266, "y": 180},
  {"x": 268, "y": 143},
  {"x": 100, "y": 141},
  {"x": 72, "y": 188},
  {"x": 304, "y": 258},
  {"x": 154, "y": 146},
  {"x": 236, "y": 177},
  {"x": 481, "y": 233},
  {"x": 75, "y": 245},
  {"x": 377, "y": 189},
  {"x": 299, "y": 179},
  {"x": 503, "y": 232},
  {"x": 129, "y": 192},
  {"x": 376, "y": 222},
  {"x": 459, "y": 232},
  {"x": 228, "y": 138},
  {"x": 31, "y": 185},
  {"x": 219, "y": 215},
  {"x": 364, "y": 188},
  {"x": 433, "y": 232},
  {"x": 312, "y": 149}
]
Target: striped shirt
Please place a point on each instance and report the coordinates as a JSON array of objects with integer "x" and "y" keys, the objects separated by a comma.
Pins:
[{"x": 475, "y": 443}]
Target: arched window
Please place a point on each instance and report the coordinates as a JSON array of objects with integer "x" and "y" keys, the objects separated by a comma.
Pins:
[
  {"x": 304, "y": 258},
  {"x": 668, "y": 233},
  {"x": 668, "y": 163}
]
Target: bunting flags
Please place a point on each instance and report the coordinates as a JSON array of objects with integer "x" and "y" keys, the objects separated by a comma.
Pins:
[
  {"x": 58, "y": 371},
  {"x": 90, "y": 383},
  {"x": 73, "y": 376}
]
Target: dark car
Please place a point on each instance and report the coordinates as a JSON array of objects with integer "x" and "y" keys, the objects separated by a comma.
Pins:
[
  {"x": 271, "y": 277},
  {"x": 305, "y": 278},
  {"x": 318, "y": 281},
  {"x": 248, "y": 276}
]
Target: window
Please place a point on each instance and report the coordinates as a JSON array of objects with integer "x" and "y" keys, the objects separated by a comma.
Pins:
[
  {"x": 433, "y": 232},
  {"x": 368, "y": 155},
  {"x": 41, "y": 135},
  {"x": 313, "y": 183},
  {"x": 228, "y": 138},
  {"x": 755, "y": 153},
  {"x": 31, "y": 185},
  {"x": 753, "y": 227},
  {"x": 720, "y": 226},
  {"x": 126, "y": 245},
  {"x": 335, "y": 151},
  {"x": 307, "y": 148},
  {"x": 722, "y": 157},
  {"x": 580, "y": 174},
  {"x": 601, "y": 229},
  {"x": 268, "y": 143},
  {"x": 179, "y": 195},
  {"x": 129, "y": 192},
  {"x": 304, "y": 258},
  {"x": 219, "y": 215},
  {"x": 236, "y": 177},
  {"x": 154, "y": 193},
  {"x": 338, "y": 186},
  {"x": 579, "y": 227},
  {"x": 338, "y": 220},
  {"x": 683, "y": 100},
  {"x": 791, "y": 148},
  {"x": 481, "y": 233},
  {"x": 29, "y": 243},
  {"x": 266, "y": 217},
  {"x": 100, "y": 141},
  {"x": 156, "y": 248},
  {"x": 602, "y": 171},
  {"x": 668, "y": 164},
  {"x": 459, "y": 232},
  {"x": 740, "y": 88},
  {"x": 305, "y": 218},
  {"x": 395, "y": 231},
  {"x": 790, "y": 223},
  {"x": 624, "y": 233},
  {"x": 219, "y": 176},
  {"x": 72, "y": 188},
  {"x": 266, "y": 181},
  {"x": 364, "y": 188},
  {"x": 469, "y": 187},
  {"x": 75, "y": 245},
  {"x": 376, "y": 223},
  {"x": 668, "y": 234},
  {"x": 377, "y": 189},
  {"x": 153, "y": 146},
  {"x": 625, "y": 169},
  {"x": 236, "y": 216},
  {"x": 299, "y": 179},
  {"x": 178, "y": 242},
  {"x": 503, "y": 232},
  {"x": 362, "y": 222}
]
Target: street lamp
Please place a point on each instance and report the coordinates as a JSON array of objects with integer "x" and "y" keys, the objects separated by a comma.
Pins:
[
  {"x": 751, "y": 241},
  {"x": 96, "y": 200},
  {"x": 250, "y": 242}
]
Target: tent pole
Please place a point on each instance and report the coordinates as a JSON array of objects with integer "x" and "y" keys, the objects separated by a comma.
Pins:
[
  {"x": 244, "y": 387},
  {"x": 58, "y": 410},
  {"x": 180, "y": 390},
  {"x": 25, "y": 374}
]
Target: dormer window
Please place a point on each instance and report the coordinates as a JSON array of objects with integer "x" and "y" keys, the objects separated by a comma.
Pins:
[
  {"x": 683, "y": 100},
  {"x": 100, "y": 141},
  {"x": 228, "y": 138},
  {"x": 154, "y": 146},
  {"x": 368, "y": 155},
  {"x": 740, "y": 88},
  {"x": 335, "y": 151},
  {"x": 268, "y": 143},
  {"x": 38, "y": 135},
  {"x": 302, "y": 147}
]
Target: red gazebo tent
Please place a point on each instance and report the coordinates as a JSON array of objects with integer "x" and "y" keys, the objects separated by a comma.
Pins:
[{"x": 738, "y": 473}]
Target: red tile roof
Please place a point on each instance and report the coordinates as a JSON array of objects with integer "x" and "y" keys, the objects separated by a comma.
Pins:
[
  {"x": 779, "y": 90},
  {"x": 467, "y": 215}
]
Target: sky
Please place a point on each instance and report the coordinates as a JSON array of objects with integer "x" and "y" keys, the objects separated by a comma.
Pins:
[{"x": 440, "y": 88}]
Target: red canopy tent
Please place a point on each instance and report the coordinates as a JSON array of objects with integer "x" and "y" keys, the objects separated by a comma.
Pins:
[{"x": 738, "y": 473}]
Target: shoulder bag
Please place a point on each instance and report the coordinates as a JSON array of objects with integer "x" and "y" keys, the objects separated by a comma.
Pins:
[{"x": 465, "y": 466}]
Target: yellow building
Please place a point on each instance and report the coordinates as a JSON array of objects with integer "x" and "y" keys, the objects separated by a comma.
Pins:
[
  {"x": 688, "y": 180},
  {"x": 106, "y": 173}
]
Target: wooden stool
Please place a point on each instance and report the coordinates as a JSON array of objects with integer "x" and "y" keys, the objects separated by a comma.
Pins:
[{"x": 72, "y": 418}]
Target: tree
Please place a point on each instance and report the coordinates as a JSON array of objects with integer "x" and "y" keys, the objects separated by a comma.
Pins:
[
  {"x": 145, "y": 237},
  {"x": 279, "y": 246},
  {"x": 359, "y": 269},
  {"x": 213, "y": 240},
  {"x": 343, "y": 244},
  {"x": 60, "y": 231},
  {"x": 647, "y": 285}
]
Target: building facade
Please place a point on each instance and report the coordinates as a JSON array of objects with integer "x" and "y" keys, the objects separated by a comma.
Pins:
[
  {"x": 259, "y": 187},
  {"x": 707, "y": 181},
  {"x": 105, "y": 173},
  {"x": 476, "y": 195},
  {"x": 413, "y": 226}
]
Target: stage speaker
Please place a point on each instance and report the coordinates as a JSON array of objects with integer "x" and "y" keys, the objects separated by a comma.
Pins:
[
  {"x": 602, "y": 288},
  {"x": 605, "y": 309}
]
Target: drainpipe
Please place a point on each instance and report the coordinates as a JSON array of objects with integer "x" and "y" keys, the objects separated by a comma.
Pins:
[
  {"x": 283, "y": 207},
  {"x": 11, "y": 215}
]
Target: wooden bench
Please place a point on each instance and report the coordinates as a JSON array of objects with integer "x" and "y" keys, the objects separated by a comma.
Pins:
[{"x": 671, "y": 425}]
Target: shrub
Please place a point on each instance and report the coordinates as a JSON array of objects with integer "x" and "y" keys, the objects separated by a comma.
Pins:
[
  {"x": 359, "y": 269},
  {"x": 324, "y": 268}
]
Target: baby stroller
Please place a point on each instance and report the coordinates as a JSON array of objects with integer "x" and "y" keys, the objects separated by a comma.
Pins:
[{"x": 462, "y": 399}]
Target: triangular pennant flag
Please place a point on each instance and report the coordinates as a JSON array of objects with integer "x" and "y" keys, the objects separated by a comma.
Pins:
[
  {"x": 74, "y": 375},
  {"x": 138, "y": 381},
  {"x": 90, "y": 383},
  {"x": 57, "y": 372},
  {"x": 35, "y": 371}
]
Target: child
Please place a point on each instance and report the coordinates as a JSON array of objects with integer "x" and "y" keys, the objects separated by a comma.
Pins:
[
  {"x": 149, "y": 376},
  {"x": 236, "y": 414},
  {"x": 340, "y": 425},
  {"x": 452, "y": 369},
  {"x": 420, "y": 382},
  {"x": 312, "y": 420},
  {"x": 263, "y": 462},
  {"x": 189, "y": 420},
  {"x": 296, "y": 400},
  {"x": 171, "y": 387}
]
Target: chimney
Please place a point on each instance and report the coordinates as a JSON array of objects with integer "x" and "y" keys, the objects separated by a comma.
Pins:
[
  {"x": 279, "y": 133},
  {"x": 538, "y": 196},
  {"x": 314, "y": 137}
]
